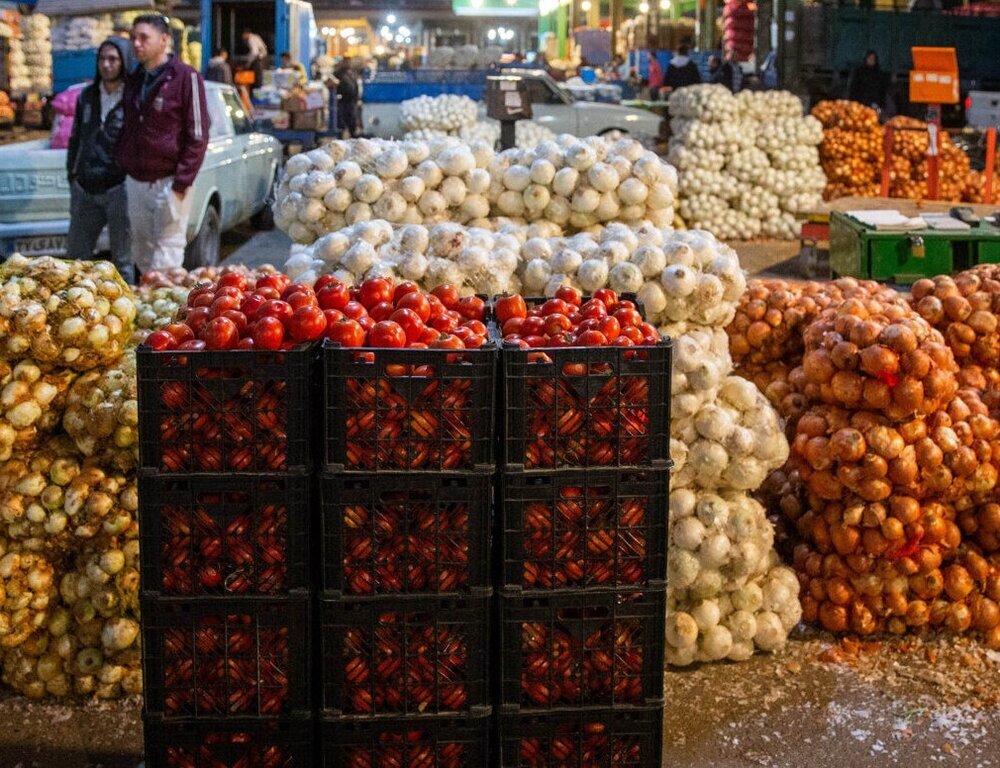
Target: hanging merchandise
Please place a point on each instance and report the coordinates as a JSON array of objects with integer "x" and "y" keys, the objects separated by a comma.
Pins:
[{"x": 739, "y": 20}]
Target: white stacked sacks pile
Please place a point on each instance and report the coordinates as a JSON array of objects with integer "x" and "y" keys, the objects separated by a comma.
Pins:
[
  {"x": 81, "y": 33},
  {"x": 37, "y": 49}
]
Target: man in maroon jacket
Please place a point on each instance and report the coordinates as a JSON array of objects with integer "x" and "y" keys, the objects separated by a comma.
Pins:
[{"x": 163, "y": 145}]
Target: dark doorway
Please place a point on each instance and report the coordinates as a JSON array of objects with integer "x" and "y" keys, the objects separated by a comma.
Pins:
[{"x": 230, "y": 19}]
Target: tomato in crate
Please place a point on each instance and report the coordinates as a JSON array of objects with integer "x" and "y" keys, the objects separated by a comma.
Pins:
[
  {"x": 286, "y": 742},
  {"x": 399, "y": 533},
  {"x": 405, "y": 409},
  {"x": 225, "y": 411},
  {"x": 404, "y": 656},
  {"x": 226, "y": 657},
  {"x": 224, "y": 534},
  {"x": 584, "y": 528},
  {"x": 576, "y": 649}
]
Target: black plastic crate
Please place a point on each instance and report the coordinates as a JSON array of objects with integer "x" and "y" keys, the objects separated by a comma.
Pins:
[
  {"x": 287, "y": 742},
  {"x": 222, "y": 657},
  {"x": 404, "y": 656},
  {"x": 224, "y": 534},
  {"x": 232, "y": 411},
  {"x": 597, "y": 528},
  {"x": 441, "y": 741},
  {"x": 409, "y": 409},
  {"x": 603, "y": 738},
  {"x": 585, "y": 406},
  {"x": 406, "y": 533},
  {"x": 581, "y": 649}
]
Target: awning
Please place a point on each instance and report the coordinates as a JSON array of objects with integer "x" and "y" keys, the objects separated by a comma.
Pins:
[{"x": 90, "y": 7}]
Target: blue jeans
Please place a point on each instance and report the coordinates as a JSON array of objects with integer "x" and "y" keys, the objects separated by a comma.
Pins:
[{"x": 88, "y": 214}]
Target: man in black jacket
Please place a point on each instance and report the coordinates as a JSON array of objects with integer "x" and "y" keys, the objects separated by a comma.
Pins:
[
  {"x": 681, "y": 72},
  {"x": 97, "y": 181}
]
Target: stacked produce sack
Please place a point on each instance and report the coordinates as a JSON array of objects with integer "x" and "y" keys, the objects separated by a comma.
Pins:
[
  {"x": 19, "y": 72},
  {"x": 748, "y": 164},
  {"x": 69, "y": 573},
  {"x": 727, "y": 593},
  {"x": 426, "y": 118},
  {"x": 890, "y": 490},
  {"x": 570, "y": 182},
  {"x": 738, "y": 21},
  {"x": 852, "y": 153},
  {"x": 37, "y": 49},
  {"x": 80, "y": 33}
]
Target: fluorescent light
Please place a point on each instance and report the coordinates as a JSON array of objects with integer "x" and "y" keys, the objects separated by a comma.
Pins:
[
  {"x": 664, "y": 5},
  {"x": 404, "y": 31},
  {"x": 391, "y": 19},
  {"x": 585, "y": 6},
  {"x": 492, "y": 34},
  {"x": 643, "y": 7},
  {"x": 347, "y": 31}
]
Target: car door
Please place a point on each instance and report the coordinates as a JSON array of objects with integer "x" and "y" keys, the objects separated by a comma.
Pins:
[
  {"x": 244, "y": 178},
  {"x": 549, "y": 106}
]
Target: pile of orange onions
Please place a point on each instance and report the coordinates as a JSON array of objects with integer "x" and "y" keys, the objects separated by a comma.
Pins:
[{"x": 851, "y": 150}]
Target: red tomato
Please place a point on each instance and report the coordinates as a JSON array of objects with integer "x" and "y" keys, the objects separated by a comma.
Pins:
[
  {"x": 417, "y": 345},
  {"x": 298, "y": 299},
  {"x": 324, "y": 281},
  {"x": 197, "y": 318},
  {"x": 159, "y": 341},
  {"x": 417, "y": 302},
  {"x": 410, "y": 322},
  {"x": 251, "y": 305},
  {"x": 446, "y": 322},
  {"x": 561, "y": 340},
  {"x": 366, "y": 322},
  {"x": 469, "y": 337},
  {"x": 277, "y": 308},
  {"x": 334, "y": 295},
  {"x": 628, "y": 318},
  {"x": 513, "y": 326},
  {"x": 588, "y": 324},
  {"x": 594, "y": 308},
  {"x": 532, "y": 326},
  {"x": 534, "y": 312},
  {"x": 592, "y": 339},
  {"x": 229, "y": 290},
  {"x": 623, "y": 341},
  {"x": 632, "y": 333},
  {"x": 404, "y": 288},
  {"x": 429, "y": 334},
  {"x": 649, "y": 331},
  {"x": 346, "y": 332},
  {"x": 224, "y": 304},
  {"x": 447, "y": 294},
  {"x": 332, "y": 315},
  {"x": 268, "y": 332},
  {"x": 556, "y": 307},
  {"x": 291, "y": 288},
  {"x": 307, "y": 323},
  {"x": 276, "y": 281},
  {"x": 354, "y": 310},
  {"x": 556, "y": 324},
  {"x": 220, "y": 333},
  {"x": 476, "y": 325},
  {"x": 626, "y": 304},
  {"x": 436, "y": 306},
  {"x": 570, "y": 295},
  {"x": 534, "y": 341},
  {"x": 202, "y": 299},
  {"x": 375, "y": 290},
  {"x": 471, "y": 307},
  {"x": 508, "y": 307},
  {"x": 387, "y": 334},
  {"x": 268, "y": 292},
  {"x": 200, "y": 291},
  {"x": 238, "y": 318},
  {"x": 447, "y": 341},
  {"x": 518, "y": 342},
  {"x": 609, "y": 297},
  {"x": 610, "y": 327},
  {"x": 180, "y": 331},
  {"x": 381, "y": 311},
  {"x": 245, "y": 343},
  {"x": 192, "y": 345}
]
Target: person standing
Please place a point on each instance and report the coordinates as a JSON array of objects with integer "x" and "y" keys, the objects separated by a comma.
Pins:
[
  {"x": 727, "y": 73},
  {"x": 347, "y": 98},
  {"x": 163, "y": 145},
  {"x": 869, "y": 85},
  {"x": 97, "y": 182},
  {"x": 256, "y": 53},
  {"x": 218, "y": 69},
  {"x": 682, "y": 72},
  {"x": 655, "y": 77}
]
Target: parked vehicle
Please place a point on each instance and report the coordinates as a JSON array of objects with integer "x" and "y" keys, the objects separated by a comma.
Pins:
[
  {"x": 234, "y": 185},
  {"x": 551, "y": 106}
]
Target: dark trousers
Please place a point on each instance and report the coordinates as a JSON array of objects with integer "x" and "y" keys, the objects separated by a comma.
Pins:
[
  {"x": 89, "y": 213},
  {"x": 347, "y": 117}
]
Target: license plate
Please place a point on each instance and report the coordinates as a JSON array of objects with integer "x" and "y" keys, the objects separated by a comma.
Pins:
[{"x": 42, "y": 245}]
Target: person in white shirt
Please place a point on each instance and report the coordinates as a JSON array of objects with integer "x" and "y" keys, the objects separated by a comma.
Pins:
[{"x": 256, "y": 52}]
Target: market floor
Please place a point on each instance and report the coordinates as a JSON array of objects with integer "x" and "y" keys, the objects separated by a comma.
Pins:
[{"x": 820, "y": 703}]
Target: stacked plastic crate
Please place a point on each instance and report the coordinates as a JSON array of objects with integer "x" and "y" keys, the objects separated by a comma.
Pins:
[
  {"x": 583, "y": 522},
  {"x": 225, "y": 521},
  {"x": 406, "y": 494}
]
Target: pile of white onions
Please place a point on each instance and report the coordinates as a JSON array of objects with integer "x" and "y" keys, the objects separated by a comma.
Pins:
[
  {"x": 573, "y": 183},
  {"x": 748, "y": 163},
  {"x": 447, "y": 112}
]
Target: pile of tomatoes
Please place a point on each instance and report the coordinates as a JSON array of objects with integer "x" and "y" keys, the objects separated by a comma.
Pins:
[
  {"x": 226, "y": 665},
  {"x": 560, "y": 669},
  {"x": 566, "y": 320},
  {"x": 206, "y": 553},
  {"x": 584, "y": 539},
  {"x": 411, "y": 749},
  {"x": 399, "y": 546},
  {"x": 573, "y": 745},
  {"x": 404, "y": 666},
  {"x": 233, "y": 750},
  {"x": 272, "y": 313}
]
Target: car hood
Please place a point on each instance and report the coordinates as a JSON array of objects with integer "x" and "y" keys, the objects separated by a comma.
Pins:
[{"x": 629, "y": 115}]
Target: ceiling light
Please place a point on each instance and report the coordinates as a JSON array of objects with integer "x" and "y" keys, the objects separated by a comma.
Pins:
[{"x": 391, "y": 19}]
